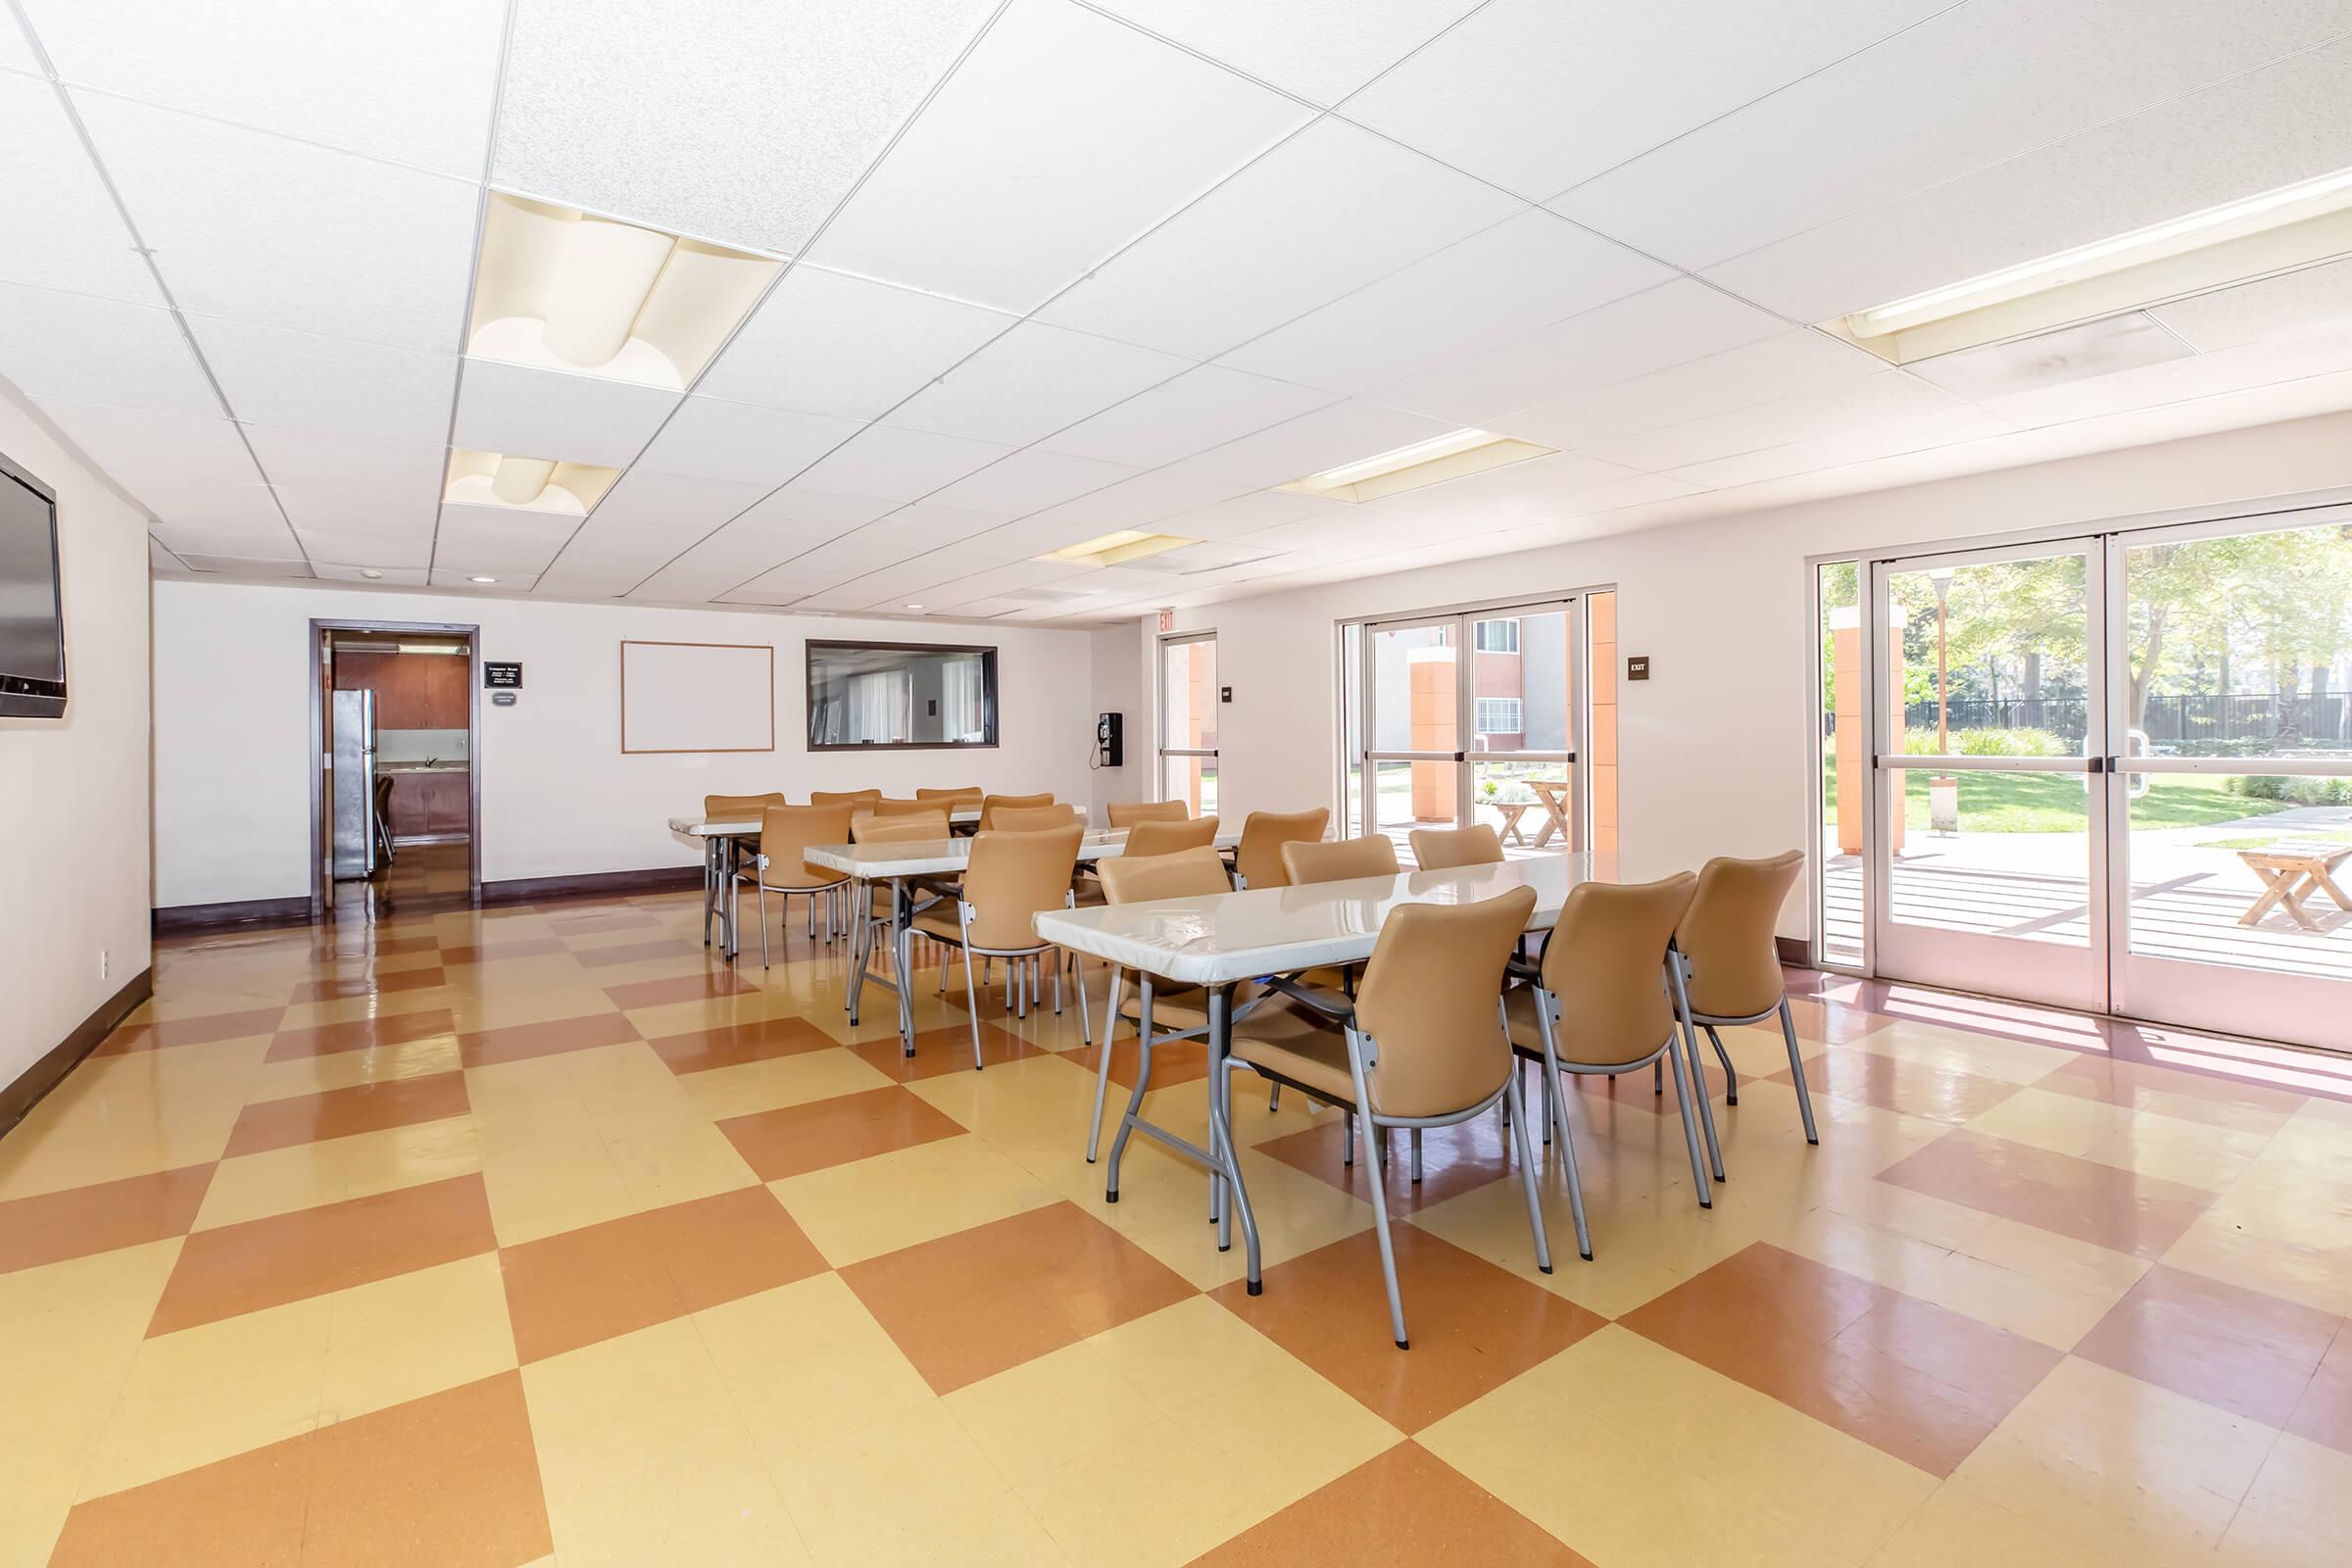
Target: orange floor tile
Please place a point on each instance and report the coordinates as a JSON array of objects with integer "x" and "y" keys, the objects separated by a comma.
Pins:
[{"x": 501, "y": 1237}]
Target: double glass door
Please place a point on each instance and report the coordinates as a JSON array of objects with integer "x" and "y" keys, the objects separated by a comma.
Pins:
[
  {"x": 2115, "y": 773},
  {"x": 1471, "y": 718}
]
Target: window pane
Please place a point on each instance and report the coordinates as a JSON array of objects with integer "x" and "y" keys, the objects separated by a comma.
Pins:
[
  {"x": 876, "y": 695},
  {"x": 1188, "y": 695},
  {"x": 1414, "y": 690},
  {"x": 1844, "y": 763},
  {"x": 1522, "y": 684},
  {"x": 1191, "y": 780}
]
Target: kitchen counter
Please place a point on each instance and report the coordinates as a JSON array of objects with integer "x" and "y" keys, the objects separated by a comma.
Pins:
[{"x": 419, "y": 768}]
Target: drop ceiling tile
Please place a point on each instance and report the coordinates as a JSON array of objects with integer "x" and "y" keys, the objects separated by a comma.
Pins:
[
  {"x": 2317, "y": 351},
  {"x": 158, "y": 557},
  {"x": 409, "y": 550},
  {"x": 729, "y": 558},
  {"x": 1794, "y": 362},
  {"x": 1888, "y": 398},
  {"x": 317, "y": 457},
  {"x": 227, "y": 520},
  {"x": 829, "y": 343},
  {"x": 1973, "y": 85},
  {"x": 2266, "y": 128},
  {"x": 602, "y": 566},
  {"x": 899, "y": 465},
  {"x": 1344, "y": 432},
  {"x": 1649, "y": 331},
  {"x": 249, "y": 565},
  {"x": 1246, "y": 514},
  {"x": 141, "y": 450},
  {"x": 1491, "y": 289},
  {"x": 1537, "y": 96},
  {"x": 498, "y": 540},
  {"x": 2270, "y": 307},
  {"x": 1327, "y": 212},
  {"x": 260, "y": 229},
  {"x": 1506, "y": 498},
  {"x": 1133, "y": 502},
  {"x": 1322, "y": 50},
  {"x": 331, "y": 385},
  {"x": 1004, "y": 581},
  {"x": 1031, "y": 382},
  {"x": 517, "y": 412},
  {"x": 458, "y": 579},
  {"x": 313, "y": 505},
  {"x": 715, "y": 439},
  {"x": 1029, "y": 480},
  {"x": 799, "y": 506},
  {"x": 744, "y": 122},
  {"x": 79, "y": 242},
  {"x": 387, "y": 576},
  {"x": 670, "y": 503},
  {"x": 1842, "y": 450},
  {"x": 1063, "y": 128},
  {"x": 15, "y": 53},
  {"x": 410, "y": 83},
  {"x": 93, "y": 350},
  {"x": 1202, "y": 407}
]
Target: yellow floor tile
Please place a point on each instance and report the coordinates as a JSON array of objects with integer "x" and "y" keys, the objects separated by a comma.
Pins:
[
  {"x": 871, "y": 1206},
  {"x": 808, "y": 1365},
  {"x": 1959, "y": 1527},
  {"x": 2195, "y": 1153},
  {"x": 2307, "y": 1486},
  {"x": 603, "y": 1410},
  {"x": 1044, "y": 1413},
  {"x": 349, "y": 1069},
  {"x": 870, "y": 1497},
  {"x": 754, "y": 1086},
  {"x": 307, "y": 1175},
  {"x": 558, "y": 1180},
  {"x": 711, "y": 1503},
  {"x": 415, "y": 1334}
]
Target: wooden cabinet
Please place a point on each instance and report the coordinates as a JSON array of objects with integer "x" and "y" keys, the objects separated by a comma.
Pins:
[
  {"x": 431, "y": 806},
  {"x": 413, "y": 690}
]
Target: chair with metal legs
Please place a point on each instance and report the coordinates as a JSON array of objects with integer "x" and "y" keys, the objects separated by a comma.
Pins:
[
  {"x": 991, "y": 805},
  {"x": 1603, "y": 1003},
  {"x": 724, "y": 858},
  {"x": 1733, "y": 964},
  {"x": 1034, "y": 818},
  {"x": 1421, "y": 1045},
  {"x": 884, "y": 806},
  {"x": 1310, "y": 861},
  {"x": 1441, "y": 849},
  {"x": 785, "y": 831},
  {"x": 1176, "y": 1011},
  {"x": 1009, "y": 879},
  {"x": 1126, "y": 814}
]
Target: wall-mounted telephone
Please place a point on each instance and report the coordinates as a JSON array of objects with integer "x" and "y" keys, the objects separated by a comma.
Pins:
[{"x": 1110, "y": 749}]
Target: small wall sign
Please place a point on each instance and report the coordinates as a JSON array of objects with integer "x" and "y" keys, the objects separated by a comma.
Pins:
[
  {"x": 1637, "y": 670},
  {"x": 501, "y": 699},
  {"x": 507, "y": 676},
  {"x": 1224, "y": 694}
]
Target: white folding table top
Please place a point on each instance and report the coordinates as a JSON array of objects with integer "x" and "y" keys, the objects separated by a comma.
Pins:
[
  {"x": 1223, "y": 937},
  {"x": 945, "y": 857}
]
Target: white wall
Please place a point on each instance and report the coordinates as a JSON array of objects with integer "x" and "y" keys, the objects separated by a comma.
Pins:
[
  {"x": 1714, "y": 746},
  {"x": 1118, "y": 688},
  {"x": 232, "y": 731},
  {"x": 73, "y": 791}
]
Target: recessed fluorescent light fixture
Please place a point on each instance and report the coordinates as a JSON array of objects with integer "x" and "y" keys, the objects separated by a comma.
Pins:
[
  {"x": 563, "y": 289},
  {"x": 526, "y": 485},
  {"x": 915, "y": 607},
  {"x": 2272, "y": 231},
  {"x": 482, "y": 579},
  {"x": 1112, "y": 549},
  {"x": 1453, "y": 456}
]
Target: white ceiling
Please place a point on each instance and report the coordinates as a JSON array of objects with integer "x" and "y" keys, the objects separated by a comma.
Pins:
[{"x": 1059, "y": 268}]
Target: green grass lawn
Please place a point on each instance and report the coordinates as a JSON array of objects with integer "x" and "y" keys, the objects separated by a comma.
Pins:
[{"x": 2055, "y": 802}]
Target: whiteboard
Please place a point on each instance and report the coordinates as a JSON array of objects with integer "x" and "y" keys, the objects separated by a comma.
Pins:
[{"x": 698, "y": 697}]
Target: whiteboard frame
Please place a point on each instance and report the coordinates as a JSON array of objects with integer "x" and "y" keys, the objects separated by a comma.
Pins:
[{"x": 626, "y": 750}]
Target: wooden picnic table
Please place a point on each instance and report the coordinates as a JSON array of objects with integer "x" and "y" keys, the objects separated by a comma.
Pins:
[
  {"x": 1554, "y": 793},
  {"x": 2291, "y": 870}
]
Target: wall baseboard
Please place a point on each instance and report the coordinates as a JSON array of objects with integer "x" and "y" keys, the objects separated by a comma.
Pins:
[
  {"x": 596, "y": 884},
  {"x": 50, "y": 1070},
  {"x": 1796, "y": 951},
  {"x": 196, "y": 916}
]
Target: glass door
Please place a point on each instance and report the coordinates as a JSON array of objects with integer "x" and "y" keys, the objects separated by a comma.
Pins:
[
  {"x": 1987, "y": 839},
  {"x": 1471, "y": 718},
  {"x": 2231, "y": 797},
  {"x": 1188, "y": 721}
]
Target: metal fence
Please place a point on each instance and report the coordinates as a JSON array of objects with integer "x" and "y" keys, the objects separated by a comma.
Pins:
[{"x": 2189, "y": 725}]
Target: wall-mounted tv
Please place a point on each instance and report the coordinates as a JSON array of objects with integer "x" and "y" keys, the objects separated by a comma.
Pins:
[{"x": 33, "y": 621}]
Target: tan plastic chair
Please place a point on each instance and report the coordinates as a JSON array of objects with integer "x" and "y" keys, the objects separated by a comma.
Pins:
[
  {"x": 785, "y": 831},
  {"x": 1162, "y": 1011},
  {"x": 1258, "y": 860},
  {"x": 865, "y": 828},
  {"x": 1731, "y": 963},
  {"x": 725, "y": 857},
  {"x": 1009, "y": 879},
  {"x": 1126, "y": 814},
  {"x": 1440, "y": 849},
  {"x": 1034, "y": 818},
  {"x": 1310, "y": 861},
  {"x": 884, "y": 806},
  {"x": 1164, "y": 836},
  {"x": 969, "y": 795},
  {"x": 1603, "y": 1003},
  {"x": 1422, "y": 1046},
  {"x": 989, "y": 805},
  {"x": 861, "y": 798}
]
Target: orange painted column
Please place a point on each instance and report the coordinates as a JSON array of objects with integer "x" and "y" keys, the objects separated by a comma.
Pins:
[
  {"x": 1602, "y": 740},
  {"x": 1851, "y": 753},
  {"x": 1436, "y": 727}
]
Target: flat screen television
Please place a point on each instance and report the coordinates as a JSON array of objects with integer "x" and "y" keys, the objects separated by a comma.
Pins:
[{"x": 32, "y": 619}]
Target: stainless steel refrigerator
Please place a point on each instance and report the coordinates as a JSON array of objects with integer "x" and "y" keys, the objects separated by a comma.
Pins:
[{"x": 355, "y": 785}]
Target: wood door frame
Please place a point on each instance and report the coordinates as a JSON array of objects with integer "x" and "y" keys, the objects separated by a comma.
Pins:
[{"x": 471, "y": 631}]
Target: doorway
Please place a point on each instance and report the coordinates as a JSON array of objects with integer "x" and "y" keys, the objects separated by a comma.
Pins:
[
  {"x": 1493, "y": 715},
  {"x": 1189, "y": 697},
  {"x": 396, "y": 795},
  {"x": 2110, "y": 773}
]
